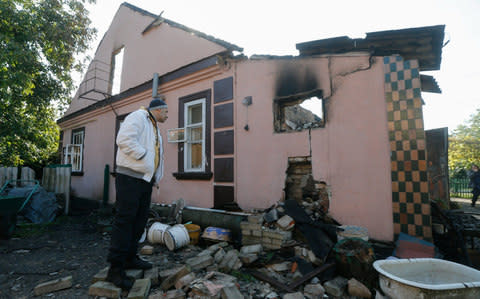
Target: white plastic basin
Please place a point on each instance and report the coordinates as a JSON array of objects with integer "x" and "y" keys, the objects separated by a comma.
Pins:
[{"x": 427, "y": 278}]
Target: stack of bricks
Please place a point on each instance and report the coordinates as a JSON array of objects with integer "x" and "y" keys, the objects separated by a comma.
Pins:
[{"x": 254, "y": 233}]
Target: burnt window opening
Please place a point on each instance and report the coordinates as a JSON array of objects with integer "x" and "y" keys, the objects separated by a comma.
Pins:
[{"x": 299, "y": 112}]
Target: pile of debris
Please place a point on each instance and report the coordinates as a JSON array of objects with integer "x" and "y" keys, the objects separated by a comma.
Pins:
[{"x": 286, "y": 251}]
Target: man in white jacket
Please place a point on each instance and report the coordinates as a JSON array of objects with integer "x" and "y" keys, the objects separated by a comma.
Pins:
[{"x": 139, "y": 167}]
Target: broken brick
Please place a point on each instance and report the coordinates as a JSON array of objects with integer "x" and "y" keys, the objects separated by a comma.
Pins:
[
  {"x": 250, "y": 240},
  {"x": 336, "y": 287},
  {"x": 185, "y": 280},
  {"x": 281, "y": 267},
  {"x": 231, "y": 292},
  {"x": 219, "y": 255},
  {"x": 164, "y": 274},
  {"x": 140, "y": 289},
  {"x": 174, "y": 294},
  {"x": 314, "y": 291},
  {"x": 147, "y": 250},
  {"x": 213, "y": 267},
  {"x": 152, "y": 274},
  {"x": 286, "y": 222},
  {"x": 229, "y": 260},
  {"x": 104, "y": 289},
  {"x": 53, "y": 285},
  {"x": 256, "y": 219},
  {"x": 248, "y": 258},
  {"x": 297, "y": 295},
  {"x": 169, "y": 282},
  {"x": 199, "y": 262},
  {"x": 255, "y": 248},
  {"x": 101, "y": 275},
  {"x": 358, "y": 289},
  {"x": 250, "y": 226},
  {"x": 277, "y": 234}
]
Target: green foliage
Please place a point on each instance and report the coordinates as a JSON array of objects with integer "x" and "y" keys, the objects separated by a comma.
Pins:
[
  {"x": 39, "y": 40},
  {"x": 464, "y": 147}
]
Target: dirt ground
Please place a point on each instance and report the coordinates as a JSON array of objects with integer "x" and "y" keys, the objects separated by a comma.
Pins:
[{"x": 72, "y": 245}]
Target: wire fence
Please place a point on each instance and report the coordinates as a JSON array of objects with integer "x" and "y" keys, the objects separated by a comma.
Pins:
[{"x": 460, "y": 188}]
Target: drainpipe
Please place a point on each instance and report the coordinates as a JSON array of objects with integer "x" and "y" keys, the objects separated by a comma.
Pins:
[{"x": 155, "y": 86}]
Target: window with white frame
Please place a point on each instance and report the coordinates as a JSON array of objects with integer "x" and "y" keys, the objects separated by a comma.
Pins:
[
  {"x": 73, "y": 152},
  {"x": 194, "y": 145},
  {"x": 193, "y": 137}
]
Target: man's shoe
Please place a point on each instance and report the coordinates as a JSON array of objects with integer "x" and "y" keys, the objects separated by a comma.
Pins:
[
  {"x": 137, "y": 263},
  {"x": 118, "y": 277}
]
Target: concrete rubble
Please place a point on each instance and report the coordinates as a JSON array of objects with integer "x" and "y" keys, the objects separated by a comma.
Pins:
[
  {"x": 269, "y": 258},
  {"x": 289, "y": 250},
  {"x": 269, "y": 255}
]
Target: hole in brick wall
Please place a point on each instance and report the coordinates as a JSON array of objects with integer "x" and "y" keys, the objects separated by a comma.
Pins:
[{"x": 302, "y": 187}]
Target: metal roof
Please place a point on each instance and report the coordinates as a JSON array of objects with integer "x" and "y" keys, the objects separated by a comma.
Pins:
[{"x": 422, "y": 43}]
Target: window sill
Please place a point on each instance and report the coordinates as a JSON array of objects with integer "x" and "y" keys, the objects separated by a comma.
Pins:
[
  {"x": 193, "y": 175},
  {"x": 77, "y": 173}
]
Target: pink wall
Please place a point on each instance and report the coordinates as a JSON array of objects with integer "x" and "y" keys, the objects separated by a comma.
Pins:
[
  {"x": 97, "y": 151},
  {"x": 351, "y": 153},
  {"x": 144, "y": 54}
]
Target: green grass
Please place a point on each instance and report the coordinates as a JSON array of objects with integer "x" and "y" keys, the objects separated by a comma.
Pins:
[
  {"x": 26, "y": 230},
  {"x": 242, "y": 276},
  {"x": 461, "y": 195}
]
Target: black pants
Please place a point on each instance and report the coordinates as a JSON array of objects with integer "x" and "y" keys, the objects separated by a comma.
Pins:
[
  {"x": 476, "y": 193},
  {"x": 132, "y": 207}
]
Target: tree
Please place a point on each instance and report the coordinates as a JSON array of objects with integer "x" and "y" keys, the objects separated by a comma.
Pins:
[
  {"x": 464, "y": 146},
  {"x": 39, "y": 43}
]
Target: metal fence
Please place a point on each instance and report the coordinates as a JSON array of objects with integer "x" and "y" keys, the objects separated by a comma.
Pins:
[{"x": 460, "y": 188}]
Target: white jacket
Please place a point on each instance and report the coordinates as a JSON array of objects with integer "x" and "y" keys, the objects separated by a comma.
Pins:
[{"x": 136, "y": 146}]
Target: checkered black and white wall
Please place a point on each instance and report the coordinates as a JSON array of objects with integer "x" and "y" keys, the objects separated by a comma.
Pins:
[{"x": 411, "y": 207}]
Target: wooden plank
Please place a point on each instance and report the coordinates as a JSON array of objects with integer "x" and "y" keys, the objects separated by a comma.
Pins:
[
  {"x": 270, "y": 280},
  {"x": 299, "y": 281}
]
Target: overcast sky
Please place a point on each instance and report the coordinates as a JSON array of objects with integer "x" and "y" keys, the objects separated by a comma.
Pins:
[{"x": 274, "y": 27}]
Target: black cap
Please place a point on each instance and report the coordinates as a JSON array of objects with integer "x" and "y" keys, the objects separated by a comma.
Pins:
[{"x": 156, "y": 104}]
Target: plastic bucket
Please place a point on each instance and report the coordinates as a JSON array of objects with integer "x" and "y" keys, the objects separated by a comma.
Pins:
[
  {"x": 193, "y": 232},
  {"x": 156, "y": 232},
  {"x": 176, "y": 237}
]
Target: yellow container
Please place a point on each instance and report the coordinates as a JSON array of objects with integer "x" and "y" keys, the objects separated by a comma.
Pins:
[{"x": 193, "y": 232}]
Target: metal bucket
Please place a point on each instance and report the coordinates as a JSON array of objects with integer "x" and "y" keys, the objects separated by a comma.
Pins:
[
  {"x": 156, "y": 232},
  {"x": 176, "y": 237},
  {"x": 193, "y": 232}
]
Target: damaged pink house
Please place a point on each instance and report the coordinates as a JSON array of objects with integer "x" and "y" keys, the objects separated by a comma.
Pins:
[{"x": 249, "y": 131}]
